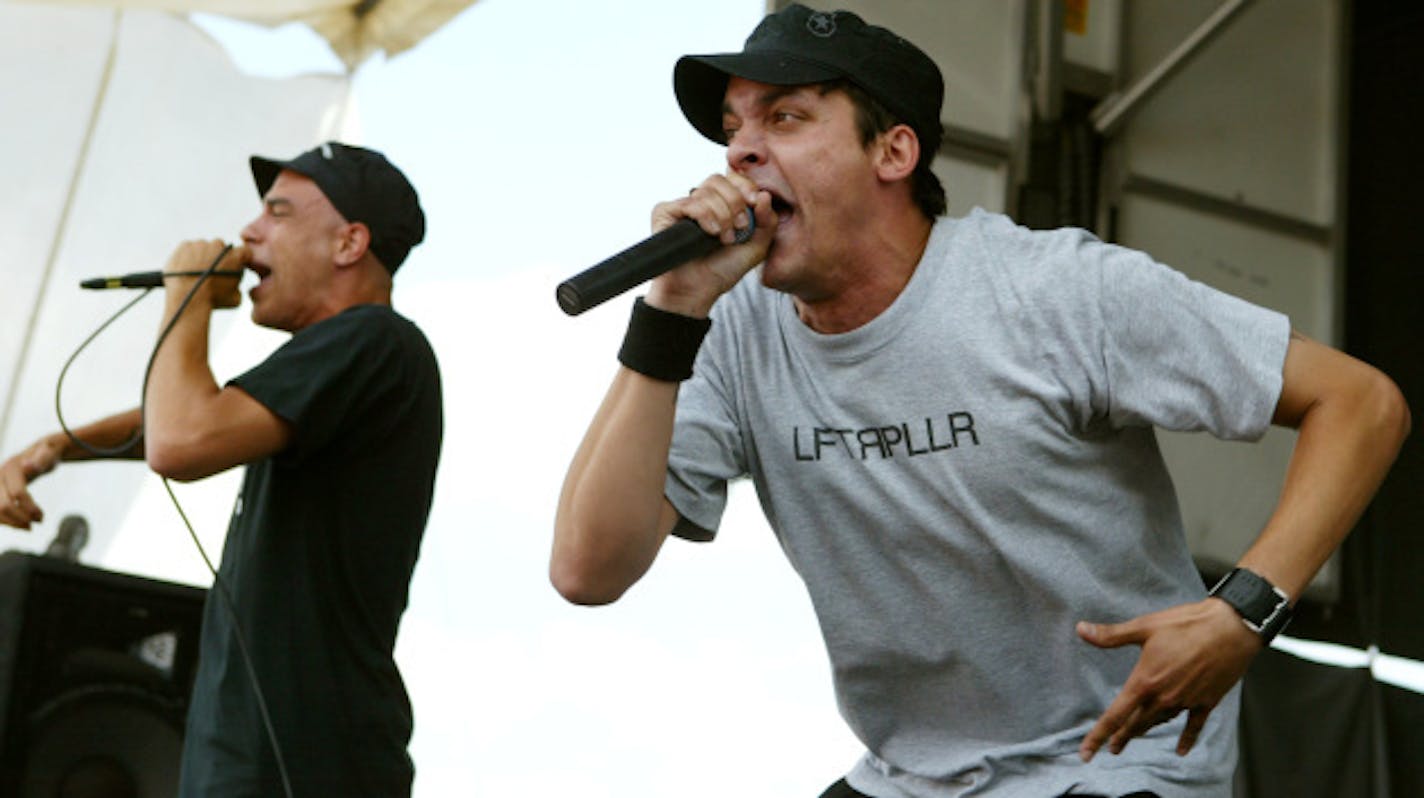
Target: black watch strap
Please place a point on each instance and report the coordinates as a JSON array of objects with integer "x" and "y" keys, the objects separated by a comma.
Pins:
[{"x": 1263, "y": 607}]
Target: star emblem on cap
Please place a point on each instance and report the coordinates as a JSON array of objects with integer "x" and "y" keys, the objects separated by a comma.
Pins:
[{"x": 821, "y": 24}]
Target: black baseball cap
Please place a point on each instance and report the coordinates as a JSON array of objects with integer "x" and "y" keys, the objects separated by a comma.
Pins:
[
  {"x": 364, "y": 187},
  {"x": 798, "y": 46}
]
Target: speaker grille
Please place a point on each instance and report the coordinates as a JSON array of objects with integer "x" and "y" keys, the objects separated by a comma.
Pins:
[
  {"x": 104, "y": 741},
  {"x": 95, "y": 684}
]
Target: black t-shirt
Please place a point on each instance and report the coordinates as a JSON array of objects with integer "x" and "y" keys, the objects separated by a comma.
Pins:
[{"x": 318, "y": 561}]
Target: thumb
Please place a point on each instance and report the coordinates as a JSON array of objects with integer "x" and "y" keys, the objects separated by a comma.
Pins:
[{"x": 1110, "y": 635}]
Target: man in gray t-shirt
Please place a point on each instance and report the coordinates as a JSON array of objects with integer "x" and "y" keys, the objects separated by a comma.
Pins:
[{"x": 949, "y": 424}]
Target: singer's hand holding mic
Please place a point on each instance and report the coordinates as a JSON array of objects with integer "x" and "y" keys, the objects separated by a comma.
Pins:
[
  {"x": 192, "y": 258},
  {"x": 229, "y": 273},
  {"x": 702, "y": 246}
]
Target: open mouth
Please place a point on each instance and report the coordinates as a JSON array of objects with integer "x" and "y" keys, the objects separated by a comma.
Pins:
[
  {"x": 784, "y": 210},
  {"x": 262, "y": 272}
]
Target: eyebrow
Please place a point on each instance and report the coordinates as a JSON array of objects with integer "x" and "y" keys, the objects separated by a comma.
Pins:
[
  {"x": 272, "y": 203},
  {"x": 770, "y": 96}
]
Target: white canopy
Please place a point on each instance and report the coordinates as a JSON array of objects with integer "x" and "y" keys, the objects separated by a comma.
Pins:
[
  {"x": 355, "y": 28},
  {"x": 127, "y": 131}
]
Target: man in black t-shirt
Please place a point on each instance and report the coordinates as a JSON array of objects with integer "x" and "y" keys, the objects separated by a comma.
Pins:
[{"x": 340, "y": 430}]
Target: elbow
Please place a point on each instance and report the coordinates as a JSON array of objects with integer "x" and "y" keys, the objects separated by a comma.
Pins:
[
  {"x": 1390, "y": 410},
  {"x": 602, "y": 546},
  {"x": 579, "y": 586},
  {"x": 172, "y": 461},
  {"x": 1405, "y": 423},
  {"x": 586, "y": 574}
]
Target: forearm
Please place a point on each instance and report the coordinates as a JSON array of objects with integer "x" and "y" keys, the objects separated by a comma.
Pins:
[
  {"x": 1345, "y": 447},
  {"x": 612, "y": 517},
  {"x": 1352, "y": 421},
  {"x": 1192, "y": 654},
  {"x": 17, "y": 507},
  {"x": 181, "y": 388},
  {"x": 105, "y": 434}
]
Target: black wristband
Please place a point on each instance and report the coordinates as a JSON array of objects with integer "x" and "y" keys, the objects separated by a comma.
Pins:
[
  {"x": 1263, "y": 607},
  {"x": 660, "y": 344}
]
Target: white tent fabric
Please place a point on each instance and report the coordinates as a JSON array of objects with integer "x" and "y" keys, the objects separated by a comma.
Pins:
[
  {"x": 355, "y": 28},
  {"x": 126, "y": 132}
]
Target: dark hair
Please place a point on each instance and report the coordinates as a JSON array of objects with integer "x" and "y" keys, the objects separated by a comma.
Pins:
[{"x": 872, "y": 119}]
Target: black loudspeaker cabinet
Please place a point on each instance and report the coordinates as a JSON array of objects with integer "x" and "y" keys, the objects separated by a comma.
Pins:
[{"x": 95, "y": 672}]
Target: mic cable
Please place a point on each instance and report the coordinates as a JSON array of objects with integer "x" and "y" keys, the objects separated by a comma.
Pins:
[{"x": 219, "y": 586}]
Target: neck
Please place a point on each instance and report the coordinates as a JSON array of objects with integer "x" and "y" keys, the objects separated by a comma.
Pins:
[
  {"x": 875, "y": 276},
  {"x": 352, "y": 288}
]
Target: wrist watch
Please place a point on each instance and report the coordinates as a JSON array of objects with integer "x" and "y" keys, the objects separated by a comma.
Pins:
[{"x": 1263, "y": 607}]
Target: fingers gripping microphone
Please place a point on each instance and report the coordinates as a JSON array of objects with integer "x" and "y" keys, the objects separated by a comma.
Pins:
[
  {"x": 145, "y": 279},
  {"x": 661, "y": 252}
]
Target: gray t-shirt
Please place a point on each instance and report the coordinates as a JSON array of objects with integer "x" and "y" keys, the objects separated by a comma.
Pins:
[{"x": 961, "y": 480}]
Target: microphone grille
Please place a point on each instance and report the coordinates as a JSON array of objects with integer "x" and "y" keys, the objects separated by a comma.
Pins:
[{"x": 569, "y": 299}]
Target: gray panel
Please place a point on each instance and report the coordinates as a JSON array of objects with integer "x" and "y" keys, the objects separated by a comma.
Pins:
[
  {"x": 1097, "y": 47},
  {"x": 1252, "y": 118}
]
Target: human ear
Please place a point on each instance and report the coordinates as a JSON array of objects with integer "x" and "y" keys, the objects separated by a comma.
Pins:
[
  {"x": 352, "y": 242},
  {"x": 897, "y": 152}
]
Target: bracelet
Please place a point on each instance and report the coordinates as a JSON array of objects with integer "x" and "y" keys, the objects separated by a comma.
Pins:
[{"x": 661, "y": 344}]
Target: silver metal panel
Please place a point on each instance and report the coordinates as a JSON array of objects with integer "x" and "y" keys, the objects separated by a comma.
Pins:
[
  {"x": 1253, "y": 117},
  {"x": 1097, "y": 47}
]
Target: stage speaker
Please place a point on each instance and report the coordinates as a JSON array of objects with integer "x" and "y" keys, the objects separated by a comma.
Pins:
[{"x": 95, "y": 672}]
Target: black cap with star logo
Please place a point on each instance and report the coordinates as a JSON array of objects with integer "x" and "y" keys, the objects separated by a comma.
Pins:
[{"x": 799, "y": 46}]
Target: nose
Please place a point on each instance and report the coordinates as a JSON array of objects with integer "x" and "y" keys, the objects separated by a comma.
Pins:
[
  {"x": 250, "y": 232},
  {"x": 745, "y": 148}
]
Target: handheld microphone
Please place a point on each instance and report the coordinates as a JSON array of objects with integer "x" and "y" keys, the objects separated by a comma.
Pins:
[
  {"x": 146, "y": 279},
  {"x": 661, "y": 252}
]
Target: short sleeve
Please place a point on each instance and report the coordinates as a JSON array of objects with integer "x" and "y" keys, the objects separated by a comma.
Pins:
[
  {"x": 707, "y": 445},
  {"x": 1137, "y": 343},
  {"x": 1184, "y": 356},
  {"x": 328, "y": 375}
]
